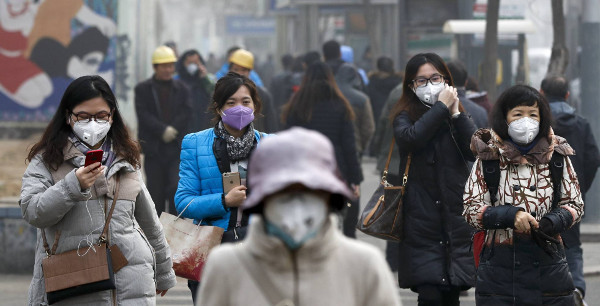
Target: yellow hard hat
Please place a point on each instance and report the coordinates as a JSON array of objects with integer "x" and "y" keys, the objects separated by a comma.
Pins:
[
  {"x": 242, "y": 58},
  {"x": 163, "y": 55}
]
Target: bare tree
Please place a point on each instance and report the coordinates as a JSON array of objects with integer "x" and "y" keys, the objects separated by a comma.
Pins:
[
  {"x": 559, "y": 60},
  {"x": 490, "y": 49}
]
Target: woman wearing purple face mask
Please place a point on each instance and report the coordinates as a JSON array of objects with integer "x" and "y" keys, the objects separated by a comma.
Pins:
[{"x": 209, "y": 154}]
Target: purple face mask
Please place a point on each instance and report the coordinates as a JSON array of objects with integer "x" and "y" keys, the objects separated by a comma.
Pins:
[{"x": 238, "y": 117}]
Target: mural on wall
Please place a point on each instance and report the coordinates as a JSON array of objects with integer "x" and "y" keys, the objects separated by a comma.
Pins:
[{"x": 44, "y": 45}]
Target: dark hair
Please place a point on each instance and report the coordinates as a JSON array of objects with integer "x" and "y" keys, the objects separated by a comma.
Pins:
[
  {"x": 458, "y": 72},
  {"x": 311, "y": 57},
  {"x": 409, "y": 101},
  {"x": 519, "y": 95},
  {"x": 472, "y": 84},
  {"x": 555, "y": 88},
  {"x": 318, "y": 86},
  {"x": 55, "y": 137},
  {"x": 331, "y": 50},
  {"x": 385, "y": 64},
  {"x": 297, "y": 64},
  {"x": 180, "y": 65},
  {"x": 231, "y": 50},
  {"x": 227, "y": 86},
  {"x": 286, "y": 61}
]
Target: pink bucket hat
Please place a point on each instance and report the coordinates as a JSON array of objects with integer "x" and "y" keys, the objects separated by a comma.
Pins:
[{"x": 294, "y": 156}]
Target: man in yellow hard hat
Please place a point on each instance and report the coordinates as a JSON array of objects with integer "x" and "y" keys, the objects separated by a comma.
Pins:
[
  {"x": 163, "y": 109},
  {"x": 242, "y": 62}
]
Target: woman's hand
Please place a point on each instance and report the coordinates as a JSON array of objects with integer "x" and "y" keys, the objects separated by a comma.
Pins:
[
  {"x": 356, "y": 189},
  {"x": 88, "y": 175},
  {"x": 524, "y": 222},
  {"x": 161, "y": 292},
  {"x": 236, "y": 196},
  {"x": 448, "y": 96}
]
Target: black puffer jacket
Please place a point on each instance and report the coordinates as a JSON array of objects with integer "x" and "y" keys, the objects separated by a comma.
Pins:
[
  {"x": 331, "y": 119},
  {"x": 436, "y": 249}
]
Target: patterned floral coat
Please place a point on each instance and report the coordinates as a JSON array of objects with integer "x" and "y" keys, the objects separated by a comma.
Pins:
[{"x": 513, "y": 269}]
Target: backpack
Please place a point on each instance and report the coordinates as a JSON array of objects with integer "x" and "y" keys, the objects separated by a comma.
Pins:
[{"x": 491, "y": 175}]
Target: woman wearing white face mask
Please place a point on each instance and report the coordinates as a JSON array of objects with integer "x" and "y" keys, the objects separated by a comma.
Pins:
[
  {"x": 61, "y": 195},
  {"x": 537, "y": 197},
  {"x": 294, "y": 250},
  {"x": 429, "y": 123}
]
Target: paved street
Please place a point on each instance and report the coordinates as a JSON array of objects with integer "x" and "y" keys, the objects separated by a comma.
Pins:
[{"x": 13, "y": 288}]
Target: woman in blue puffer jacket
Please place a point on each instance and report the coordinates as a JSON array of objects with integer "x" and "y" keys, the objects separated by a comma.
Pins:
[{"x": 207, "y": 155}]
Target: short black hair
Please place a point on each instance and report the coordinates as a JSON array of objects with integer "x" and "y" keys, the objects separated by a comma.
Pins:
[
  {"x": 519, "y": 95},
  {"x": 385, "y": 64},
  {"x": 555, "y": 87},
  {"x": 311, "y": 57},
  {"x": 331, "y": 50},
  {"x": 458, "y": 72}
]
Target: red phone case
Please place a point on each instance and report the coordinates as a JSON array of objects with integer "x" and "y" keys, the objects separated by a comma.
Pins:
[{"x": 93, "y": 156}]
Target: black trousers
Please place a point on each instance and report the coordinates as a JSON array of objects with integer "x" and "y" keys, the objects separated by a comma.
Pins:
[
  {"x": 351, "y": 218},
  {"x": 162, "y": 176},
  {"x": 435, "y": 295}
]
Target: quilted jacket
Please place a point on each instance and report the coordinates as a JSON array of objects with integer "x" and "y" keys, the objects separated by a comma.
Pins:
[{"x": 200, "y": 180}]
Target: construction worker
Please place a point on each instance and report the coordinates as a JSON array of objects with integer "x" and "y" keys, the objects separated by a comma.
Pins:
[
  {"x": 242, "y": 62},
  {"x": 163, "y": 109}
]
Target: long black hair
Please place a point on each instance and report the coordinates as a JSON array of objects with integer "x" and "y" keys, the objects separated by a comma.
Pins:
[
  {"x": 318, "y": 86},
  {"x": 56, "y": 135}
]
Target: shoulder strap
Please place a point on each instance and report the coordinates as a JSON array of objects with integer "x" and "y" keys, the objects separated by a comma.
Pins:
[
  {"x": 264, "y": 283},
  {"x": 491, "y": 175},
  {"x": 556, "y": 166},
  {"x": 112, "y": 208}
]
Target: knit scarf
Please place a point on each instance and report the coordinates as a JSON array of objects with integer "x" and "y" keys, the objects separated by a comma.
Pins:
[
  {"x": 237, "y": 148},
  {"x": 108, "y": 155}
]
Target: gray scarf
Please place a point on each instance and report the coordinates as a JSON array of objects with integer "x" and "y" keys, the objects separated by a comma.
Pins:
[{"x": 237, "y": 148}]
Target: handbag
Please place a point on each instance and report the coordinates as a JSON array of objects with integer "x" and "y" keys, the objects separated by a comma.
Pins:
[
  {"x": 382, "y": 217},
  {"x": 72, "y": 274},
  {"x": 189, "y": 243}
]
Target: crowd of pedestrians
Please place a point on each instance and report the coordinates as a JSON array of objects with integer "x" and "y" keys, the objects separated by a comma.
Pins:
[{"x": 291, "y": 150}]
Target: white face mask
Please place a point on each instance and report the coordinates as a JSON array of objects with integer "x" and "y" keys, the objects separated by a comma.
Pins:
[
  {"x": 295, "y": 217},
  {"x": 429, "y": 94},
  {"x": 192, "y": 68},
  {"x": 91, "y": 132},
  {"x": 523, "y": 131}
]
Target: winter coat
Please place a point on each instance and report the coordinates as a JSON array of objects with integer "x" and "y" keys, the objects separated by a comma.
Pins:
[
  {"x": 203, "y": 160},
  {"x": 151, "y": 126},
  {"x": 379, "y": 88},
  {"x": 364, "y": 124},
  {"x": 331, "y": 119},
  {"x": 382, "y": 138},
  {"x": 577, "y": 131},
  {"x": 329, "y": 269},
  {"x": 513, "y": 269},
  {"x": 53, "y": 200},
  {"x": 201, "y": 90},
  {"x": 436, "y": 249},
  {"x": 477, "y": 112}
]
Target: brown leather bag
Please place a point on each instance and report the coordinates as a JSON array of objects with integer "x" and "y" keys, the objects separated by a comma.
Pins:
[
  {"x": 382, "y": 217},
  {"x": 78, "y": 272}
]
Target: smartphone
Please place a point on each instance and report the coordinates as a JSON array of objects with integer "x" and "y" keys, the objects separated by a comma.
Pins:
[
  {"x": 93, "y": 156},
  {"x": 230, "y": 180}
]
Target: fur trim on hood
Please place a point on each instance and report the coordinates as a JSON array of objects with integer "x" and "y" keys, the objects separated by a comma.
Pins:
[{"x": 486, "y": 145}]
